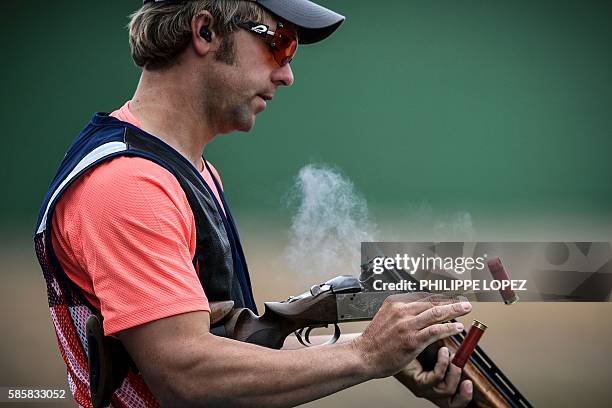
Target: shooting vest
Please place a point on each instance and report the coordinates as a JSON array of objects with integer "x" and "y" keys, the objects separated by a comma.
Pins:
[{"x": 218, "y": 255}]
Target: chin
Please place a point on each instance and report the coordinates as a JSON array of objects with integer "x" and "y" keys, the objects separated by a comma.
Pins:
[
  {"x": 243, "y": 126},
  {"x": 244, "y": 121},
  {"x": 241, "y": 119},
  {"x": 244, "y": 129}
]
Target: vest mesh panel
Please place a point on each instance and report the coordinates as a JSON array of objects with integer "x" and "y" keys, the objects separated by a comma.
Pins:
[{"x": 69, "y": 314}]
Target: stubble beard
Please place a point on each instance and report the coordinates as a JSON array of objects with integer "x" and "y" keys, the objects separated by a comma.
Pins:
[{"x": 235, "y": 114}]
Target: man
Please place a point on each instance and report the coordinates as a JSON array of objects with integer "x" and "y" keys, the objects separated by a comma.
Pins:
[{"x": 135, "y": 227}]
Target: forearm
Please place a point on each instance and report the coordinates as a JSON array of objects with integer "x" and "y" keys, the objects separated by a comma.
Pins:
[{"x": 240, "y": 374}]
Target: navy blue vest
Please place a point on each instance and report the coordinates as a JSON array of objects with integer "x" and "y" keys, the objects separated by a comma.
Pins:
[{"x": 219, "y": 256}]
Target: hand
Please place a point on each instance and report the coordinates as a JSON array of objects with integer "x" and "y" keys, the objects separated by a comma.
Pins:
[
  {"x": 403, "y": 327},
  {"x": 440, "y": 385}
]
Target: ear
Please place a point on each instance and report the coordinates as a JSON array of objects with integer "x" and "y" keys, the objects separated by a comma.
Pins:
[{"x": 202, "y": 23}]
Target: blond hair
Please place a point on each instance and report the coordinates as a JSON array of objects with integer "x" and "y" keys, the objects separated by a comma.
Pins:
[{"x": 160, "y": 31}]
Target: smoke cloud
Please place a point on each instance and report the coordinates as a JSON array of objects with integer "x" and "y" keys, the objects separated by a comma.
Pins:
[
  {"x": 455, "y": 227},
  {"x": 332, "y": 220}
]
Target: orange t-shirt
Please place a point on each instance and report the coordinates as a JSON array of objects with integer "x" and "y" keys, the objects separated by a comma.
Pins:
[{"x": 125, "y": 235}]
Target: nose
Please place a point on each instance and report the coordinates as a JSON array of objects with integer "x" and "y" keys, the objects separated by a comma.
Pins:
[{"x": 283, "y": 75}]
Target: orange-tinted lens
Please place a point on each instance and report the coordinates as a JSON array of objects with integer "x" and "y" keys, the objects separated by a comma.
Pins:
[{"x": 285, "y": 45}]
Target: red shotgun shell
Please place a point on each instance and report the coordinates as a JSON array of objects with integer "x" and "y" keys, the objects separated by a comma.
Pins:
[
  {"x": 469, "y": 344},
  {"x": 499, "y": 273}
]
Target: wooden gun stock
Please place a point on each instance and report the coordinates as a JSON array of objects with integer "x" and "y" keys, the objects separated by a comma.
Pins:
[{"x": 280, "y": 320}]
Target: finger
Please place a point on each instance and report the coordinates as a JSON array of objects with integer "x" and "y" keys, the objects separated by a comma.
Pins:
[
  {"x": 408, "y": 297},
  {"x": 446, "y": 298},
  {"x": 417, "y": 304},
  {"x": 410, "y": 304},
  {"x": 451, "y": 380},
  {"x": 437, "y": 332},
  {"x": 440, "y": 368},
  {"x": 464, "y": 396},
  {"x": 448, "y": 387},
  {"x": 441, "y": 313},
  {"x": 435, "y": 376}
]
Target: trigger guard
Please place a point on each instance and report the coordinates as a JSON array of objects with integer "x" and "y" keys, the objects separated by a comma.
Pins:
[
  {"x": 298, "y": 335},
  {"x": 307, "y": 335},
  {"x": 303, "y": 336},
  {"x": 336, "y": 335}
]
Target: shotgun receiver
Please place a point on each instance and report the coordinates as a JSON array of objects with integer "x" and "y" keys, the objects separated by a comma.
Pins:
[{"x": 343, "y": 299}]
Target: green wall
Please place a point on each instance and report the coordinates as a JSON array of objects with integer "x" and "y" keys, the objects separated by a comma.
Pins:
[{"x": 494, "y": 107}]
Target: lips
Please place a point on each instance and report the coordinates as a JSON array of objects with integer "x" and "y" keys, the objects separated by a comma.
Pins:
[{"x": 265, "y": 97}]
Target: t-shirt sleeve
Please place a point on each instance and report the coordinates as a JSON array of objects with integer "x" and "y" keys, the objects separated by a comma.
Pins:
[{"x": 135, "y": 237}]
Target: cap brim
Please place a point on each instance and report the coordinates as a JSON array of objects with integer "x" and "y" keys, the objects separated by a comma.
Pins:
[{"x": 315, "y": 23}]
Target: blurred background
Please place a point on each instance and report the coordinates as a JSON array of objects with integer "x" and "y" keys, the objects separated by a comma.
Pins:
[{"x": 448, "y": 120}]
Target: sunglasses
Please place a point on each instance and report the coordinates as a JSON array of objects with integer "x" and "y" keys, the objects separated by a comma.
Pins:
[{"x": 283, "y": 42}]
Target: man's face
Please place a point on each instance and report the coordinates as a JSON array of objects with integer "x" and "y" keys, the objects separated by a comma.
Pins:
[{"x": 238, "y": 88}]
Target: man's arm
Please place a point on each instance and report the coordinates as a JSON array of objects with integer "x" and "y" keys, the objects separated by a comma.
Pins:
[{"x": 185, "y": 365}]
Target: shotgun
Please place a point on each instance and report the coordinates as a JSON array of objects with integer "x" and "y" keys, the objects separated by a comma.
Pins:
[{"x": 343, "y": 299}]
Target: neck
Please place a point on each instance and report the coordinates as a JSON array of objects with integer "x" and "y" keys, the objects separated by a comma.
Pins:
[{"x": 167, "y": 105}]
